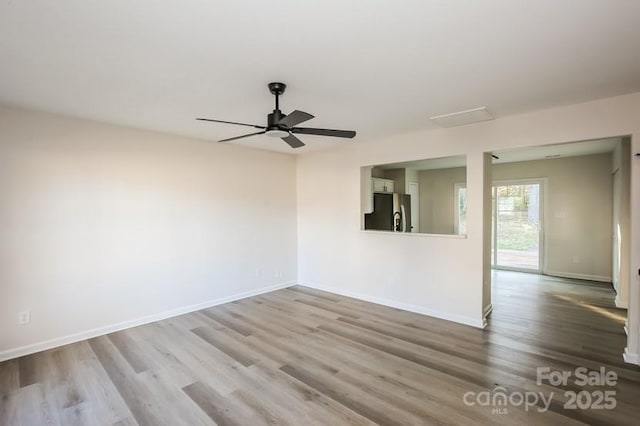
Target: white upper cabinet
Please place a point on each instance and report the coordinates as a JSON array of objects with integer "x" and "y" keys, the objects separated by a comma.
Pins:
[{"x": 382, "y": 185}]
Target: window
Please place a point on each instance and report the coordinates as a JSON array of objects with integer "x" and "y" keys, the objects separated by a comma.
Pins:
[{"x": 460, "y": 199}]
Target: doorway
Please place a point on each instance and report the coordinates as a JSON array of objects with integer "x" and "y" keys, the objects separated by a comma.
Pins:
[{"x": 517, "y": 226}]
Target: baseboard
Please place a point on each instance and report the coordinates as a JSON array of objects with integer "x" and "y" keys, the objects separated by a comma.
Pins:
[
  {"x": 474, "y": 322},
  {"x": 620, "y": 303},
  {"x": 630, "y": 358},
  {"x": 487, "y": 310},
  {"x": 95, "y": 332},
  {"x": 584, "y": 277}
]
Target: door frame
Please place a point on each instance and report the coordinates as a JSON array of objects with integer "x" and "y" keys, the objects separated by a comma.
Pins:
[
  {"x": 456, "y": 207},
  {"x": 542, "y": 250},
  {"x": 415, "y": 207},
  {"x": 616, "y": 191}
]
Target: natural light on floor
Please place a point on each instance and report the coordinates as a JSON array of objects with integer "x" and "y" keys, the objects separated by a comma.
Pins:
[{"x": 602, "y": 311}]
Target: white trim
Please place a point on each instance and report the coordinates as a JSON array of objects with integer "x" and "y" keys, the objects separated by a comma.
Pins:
[
  {"x": 461, "y": 319},
  {"x": 620, "y": 303},
  {"x": 487, "y": 310},
  {"x": 485, "y": 313},
  {"x": 630, "y": 358},
  {"x": 584, "y": 277},
  {"x": 99, "y": 331},
  {"x": 412, "y": 234},
  {"x": 511, "y": 269},
  {"x": 415, "y": 207}
]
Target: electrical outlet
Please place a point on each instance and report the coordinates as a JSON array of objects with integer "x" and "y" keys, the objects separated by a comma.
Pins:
[
  {"x": 24, "y": 317},
  {"x": 576, "y": 259},
  {"x": 258, "y": 272}
]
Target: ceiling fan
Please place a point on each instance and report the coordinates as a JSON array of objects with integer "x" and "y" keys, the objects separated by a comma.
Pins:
[{"x": 282, "y": 126}]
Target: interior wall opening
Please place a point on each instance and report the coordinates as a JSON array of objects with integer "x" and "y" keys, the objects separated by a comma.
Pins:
[{"x": 560, "y": 232}]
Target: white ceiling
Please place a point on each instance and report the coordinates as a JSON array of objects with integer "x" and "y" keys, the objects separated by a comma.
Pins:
[
  {"x": 599, "y": 146},
  {"x": 429, "y": 164},
  {"x": 378, "y": 67},
  {"x": 540, "y": 152}
]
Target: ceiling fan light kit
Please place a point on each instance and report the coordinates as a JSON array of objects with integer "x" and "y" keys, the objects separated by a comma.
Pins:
[
  {"x": 277, "y": 133},
  {"x": 282, "y": 126}
]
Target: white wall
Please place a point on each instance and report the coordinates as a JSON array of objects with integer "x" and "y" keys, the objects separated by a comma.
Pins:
[
  {"x": 620, "y": 165},
  {"x": 437, "y": 199},
  {"x": 103, "y": 226},
  {"x": 435, "y": 274},
  {"x": 632, "y": 351}
]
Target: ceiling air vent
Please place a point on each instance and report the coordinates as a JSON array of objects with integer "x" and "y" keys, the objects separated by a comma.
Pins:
[{"x": 462, "y": 118}]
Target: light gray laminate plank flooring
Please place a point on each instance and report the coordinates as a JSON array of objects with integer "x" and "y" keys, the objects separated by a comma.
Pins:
[{"x": 302, "y": 357}]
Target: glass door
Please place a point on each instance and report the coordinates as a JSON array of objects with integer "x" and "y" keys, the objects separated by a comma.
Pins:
[{"x": 517, "y": 226}]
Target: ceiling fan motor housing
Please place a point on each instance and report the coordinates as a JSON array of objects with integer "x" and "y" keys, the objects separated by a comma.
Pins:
[
  {"x": 274, "y": 118},
  {"x": 273, "y": 128}
]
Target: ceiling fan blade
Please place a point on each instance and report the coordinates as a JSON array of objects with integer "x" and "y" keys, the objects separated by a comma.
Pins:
[
  {"x": 293, "y": 141},
  {"x": 324, "y": 132},
  {"x": 296, "y": 117},
  {"x": 231, "y": 122},
  {"x": 243, "y": 136}
]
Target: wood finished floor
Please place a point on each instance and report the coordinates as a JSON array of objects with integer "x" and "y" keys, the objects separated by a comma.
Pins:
[{"x": 300, "y": 356}]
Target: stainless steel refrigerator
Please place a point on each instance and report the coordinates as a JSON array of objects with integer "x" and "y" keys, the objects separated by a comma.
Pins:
[{"x": 391, "y": 212}]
